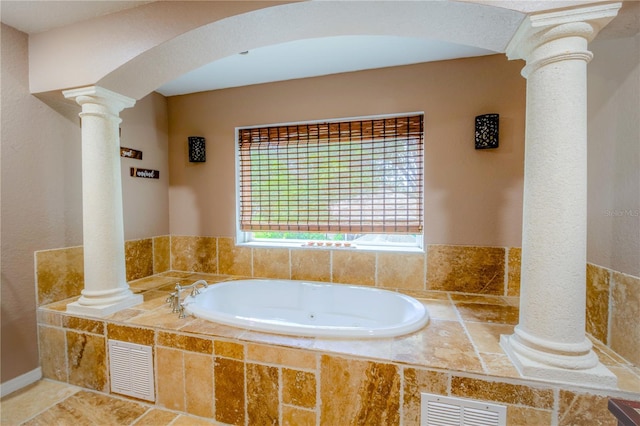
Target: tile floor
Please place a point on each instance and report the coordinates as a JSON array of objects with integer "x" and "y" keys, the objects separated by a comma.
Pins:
[{"x": 49, "y": 403}]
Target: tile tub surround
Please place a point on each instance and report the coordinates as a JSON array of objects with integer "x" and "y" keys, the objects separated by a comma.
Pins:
[
  {"x": 236, "y": 376},
  {"x": 612, "y": 298}
]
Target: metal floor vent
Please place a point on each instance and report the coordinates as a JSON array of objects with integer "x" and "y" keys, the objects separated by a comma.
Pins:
[
  {"x": 437, "y": 410},
  {"x": 131, "y": 368}
]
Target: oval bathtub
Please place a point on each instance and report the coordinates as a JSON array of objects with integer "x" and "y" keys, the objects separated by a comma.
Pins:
[{"x": 304, "y": 308}]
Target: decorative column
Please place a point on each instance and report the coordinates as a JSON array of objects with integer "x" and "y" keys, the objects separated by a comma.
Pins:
[
  {"x": 550, "y": 341},
  {"x": 105, "y": 286}
]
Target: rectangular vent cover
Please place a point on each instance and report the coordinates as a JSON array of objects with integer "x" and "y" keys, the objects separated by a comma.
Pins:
[
  {"x": 131, "y": 368},
  {"x": 437, "y": 410}
]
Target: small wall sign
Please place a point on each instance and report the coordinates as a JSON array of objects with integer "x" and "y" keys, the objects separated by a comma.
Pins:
[
  {"x": 130, "y": 153},
  {"x": 145, "y": 173}
]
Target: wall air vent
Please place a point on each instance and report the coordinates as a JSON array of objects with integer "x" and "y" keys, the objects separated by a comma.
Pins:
[
  {"x": 131, "y": 368},
  {"x": 437, "y": 410}
]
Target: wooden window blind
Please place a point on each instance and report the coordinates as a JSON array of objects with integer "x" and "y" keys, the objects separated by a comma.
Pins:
[{"x": 363, "y": 176}]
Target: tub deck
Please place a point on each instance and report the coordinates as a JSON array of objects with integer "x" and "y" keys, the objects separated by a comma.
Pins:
[{"x": 459, "y": 344}]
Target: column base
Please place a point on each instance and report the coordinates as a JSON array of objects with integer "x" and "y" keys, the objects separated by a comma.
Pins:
[
  {"x": 104, "y": 310},
  {"x": 597, "y": 376}
]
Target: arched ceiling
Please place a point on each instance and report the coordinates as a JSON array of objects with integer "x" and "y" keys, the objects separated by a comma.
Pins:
[{"x": 482, "y": 27}]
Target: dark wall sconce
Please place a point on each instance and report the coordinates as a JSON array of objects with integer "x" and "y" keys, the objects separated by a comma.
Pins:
[
  {"x": 487, "y": 131},
  {"x": 197, "y": 152}
]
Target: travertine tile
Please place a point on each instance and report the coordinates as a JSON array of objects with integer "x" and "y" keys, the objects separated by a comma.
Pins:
[
  {"x": 149, "y": 283},
  {"x": 87, "y": 360},
  {"x": 625, "y": 311},
  {"x": 156, "y": 417},
  {"x": 31, "y": 400},
  {"x": 184, "y": 342},
  {"x": 401, "y": 270},
  {"x": 86, "y": 408},
  {"x": 170, "y": 382},
  {"x": 299, "y": 388},
  {"x": 294, "y": 416},
  {"x": 441, "y": 344},
  {"x": 505, "y": 393},
  {"x": 161, "y": 317},
  {"x": 53, "y": 348},
  {"x": 513, "y": 276},
  {"x": 59, "y": 274},
  {"x": 486, "y": 337},
  {"x": 597, "y": 316},
  {"x": 499, "y": 365},
  {"x": 584, "y": 409},
  {"x": 153, "y": 299},
  {"x": 197, "y": 325},
  {"x": 356, "y": 392},
  {"x": 271, "y": 263},
  {"x": 286, "y": 357},
  {"x": 229, "y": 391},
  {"x": 195, "y": 254},
  {"x": 277, "y": 339},
  {"x": 628, "y": 380},
  {"x": 417, "y": 381},
  {"x": 185, "y": 420},
  {"x": 47, "y": 317},
  {"x": 353, "y": 267},
  {"x": 485, "y": 299},
  {"x": 228, "y": 349},
  {"x": 124, "y": 333},
  {"x": 262, "y": 394},
  {"x": 466, "y": 269},
  {"x": 232, "y": 259},
  {"x": 138, "y": 258},
  {"x": 479, "y": 312},
  {"x": 381, "y": 348},
  {"x": 83, "y": 324},
  {"x": 525, "y": 416},
  {"x": 161, "y": 254},
  {"x": 312, "y": 265},
  {"x": 440, "y": 309},
  {"x": 198, "y": 384}
]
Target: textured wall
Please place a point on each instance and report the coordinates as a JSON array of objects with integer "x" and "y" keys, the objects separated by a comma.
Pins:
[
  {"x": 614, "y": 155},
  {"x": 471, "y": 196},
  {"x": 42, "y": 191}
]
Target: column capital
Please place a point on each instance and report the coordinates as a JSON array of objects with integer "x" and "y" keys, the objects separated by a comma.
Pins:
[
  {"x": 543, "y": 28},
  {"x": 105, "y": 97}
]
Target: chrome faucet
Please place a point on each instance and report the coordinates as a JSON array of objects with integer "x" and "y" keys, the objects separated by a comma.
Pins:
[{"x": 175, "y": 299}]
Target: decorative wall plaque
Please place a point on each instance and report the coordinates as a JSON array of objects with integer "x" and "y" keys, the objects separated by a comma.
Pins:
[
  {"x": 130, "y": 153},
  {"x": 145, "y": 173}
]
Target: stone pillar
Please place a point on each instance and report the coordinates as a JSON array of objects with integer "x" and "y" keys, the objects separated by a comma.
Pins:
[
  {"x": 550, "y": 341},
  {"x": 105, "y": 286}
]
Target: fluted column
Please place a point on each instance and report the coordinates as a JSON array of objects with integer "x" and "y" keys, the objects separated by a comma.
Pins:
[
  {"x": 550, "y": 341},
  {"x": 105, "y": 286}
]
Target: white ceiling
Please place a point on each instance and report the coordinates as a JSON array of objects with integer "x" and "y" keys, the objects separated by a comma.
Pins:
[{"x": 298, "y": 59}]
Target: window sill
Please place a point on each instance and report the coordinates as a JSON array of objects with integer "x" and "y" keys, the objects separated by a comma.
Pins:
[{"x": 358, "y": 247}]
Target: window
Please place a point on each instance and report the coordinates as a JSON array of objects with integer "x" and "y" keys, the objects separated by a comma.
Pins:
[{"x": 356, "y": 180}]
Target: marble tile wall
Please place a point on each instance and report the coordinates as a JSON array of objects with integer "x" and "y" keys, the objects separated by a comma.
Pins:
[{"x": 240, "y": 382}]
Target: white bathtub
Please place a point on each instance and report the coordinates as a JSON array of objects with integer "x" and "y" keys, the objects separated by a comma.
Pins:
[{"x": 304, "y": 308}]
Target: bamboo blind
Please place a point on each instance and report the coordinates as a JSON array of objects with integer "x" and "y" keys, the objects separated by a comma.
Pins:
[{"x": 362, "y": 176}]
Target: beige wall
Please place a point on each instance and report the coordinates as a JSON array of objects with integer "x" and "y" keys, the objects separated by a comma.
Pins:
[
  {"x": 472, "y": 197},
  {"x": 42, "y": 192},
  {"x": 614, "y": 155}
]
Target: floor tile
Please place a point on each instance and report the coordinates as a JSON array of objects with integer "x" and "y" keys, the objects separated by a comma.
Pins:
[{"x": 33, "y": 399}]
